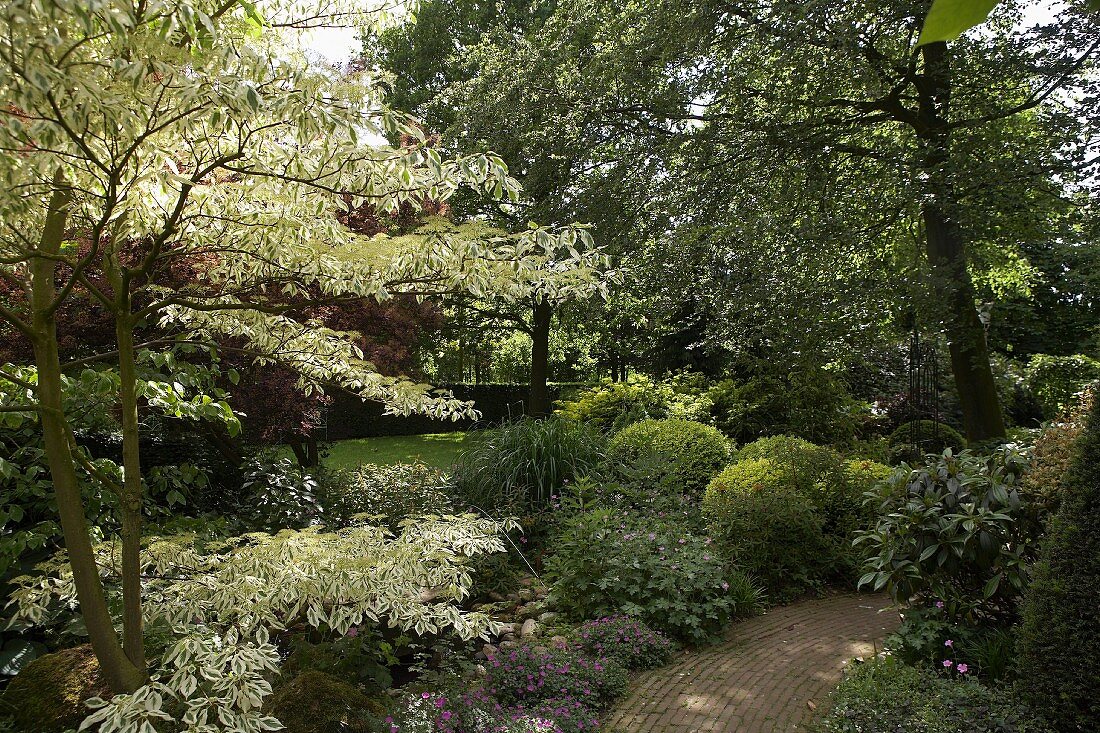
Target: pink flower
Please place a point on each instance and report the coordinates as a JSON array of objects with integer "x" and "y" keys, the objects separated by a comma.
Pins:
[
  {"x": 446, "y": 715},
  {"x": 949, "y": 643},
  {"x": 947, "y": 663},
  {"x": 962, "y": 669},
  {"x": 939, "y": 604},
  {"x": 353, "y": 631},
  {"x": 425, "y": 695}
]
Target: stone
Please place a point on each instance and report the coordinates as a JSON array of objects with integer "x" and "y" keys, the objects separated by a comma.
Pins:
[
  {"x": 530, "y": 626},
  {"x": 496, "y": 597},
  {"x": 547, "y": 617},
  {"x": 559, "y": 640},
  {"x": 48, "y": 695},
  {"x": 488, "y": 650}
]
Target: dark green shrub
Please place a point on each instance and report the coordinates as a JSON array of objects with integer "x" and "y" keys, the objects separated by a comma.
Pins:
[
  {"x": 1060, "y": 636},
  {"x": 391, "y": 493},
  {"x": 767, "y": 528},
  {"x": 609, "y": 562},
  {"x": 611, "y": 406},
  {"x": 277, "y": 494},
  {"x": 1056, "y": 380},
  {"x": 959, "y": 531},
  {"x": 886, "y": 696},
  {"x": 518, "y": 467},
  {"x": 688, "y": 453},
  {"x": 927, "y": 635},
  {"x": 934, "y": 438},
  {"x": 810, "y": 404}
]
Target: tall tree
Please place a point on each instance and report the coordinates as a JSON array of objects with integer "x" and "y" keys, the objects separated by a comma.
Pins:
[{"x": 170, "y": 132}]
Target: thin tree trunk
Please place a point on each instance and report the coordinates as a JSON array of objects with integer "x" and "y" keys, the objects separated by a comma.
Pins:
[
  {"x": 130, "y": 501},
  {"x": 538, "y": 400},
  {"x": 118, "y": 671},
  {"x": 946, "y": 249}
]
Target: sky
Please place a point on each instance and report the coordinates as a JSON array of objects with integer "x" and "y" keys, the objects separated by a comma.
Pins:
[{"x": 340, "y": 44}]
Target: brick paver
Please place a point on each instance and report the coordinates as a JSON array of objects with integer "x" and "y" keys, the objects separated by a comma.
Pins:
[{"x": 768, "y": 676}]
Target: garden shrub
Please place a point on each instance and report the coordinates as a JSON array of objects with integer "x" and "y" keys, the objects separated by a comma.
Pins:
[
  {"x": 767, "y": 528},
  {"x": 277, "y": 494},
  {"x": 316, "y": 702},
  {"x": 626, "y": 641},
  {"x": 528, "y": 674},
  {"x": 803, "y": 473},
  {"x": 1054, "y": 451},
  {"x": 519, "y": 466},
  {"x": 1060, "y": 635},
  {"x": 48, "y": 695},
  {"x": 611, "y": 406},
  {"x": 609, "y": 562},
  {"x": 886, "y": 696},
  {"x": 934, "y": 438},
  {"x": 688, "y": 454},
  {"x": 928, "y": 635},
  {"x": 392, "y": 493},
  {"x": 960, "y": 531},
  {"x": 810, "y": 404},
  {"x": 1056, "y": 380}
]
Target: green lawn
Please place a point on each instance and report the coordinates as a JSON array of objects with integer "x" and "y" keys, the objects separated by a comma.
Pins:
[{"x": 437, "y": 449}]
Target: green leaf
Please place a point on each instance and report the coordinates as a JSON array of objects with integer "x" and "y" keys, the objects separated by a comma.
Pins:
[
  {"x": 992, "y": 585},
  {"x": 949, "y": 19}
]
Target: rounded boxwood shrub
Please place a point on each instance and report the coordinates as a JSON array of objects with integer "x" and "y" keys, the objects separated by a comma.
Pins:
[
  {"x": 1059, "y": 644},
  {"x": 820, "y": 475},
  {"x": 767, "y": 528},
  {"x": 684, "y": 454},
  {"x": 934, "y": 438}
]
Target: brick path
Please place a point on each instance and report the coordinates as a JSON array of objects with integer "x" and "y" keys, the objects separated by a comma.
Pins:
[{"x": 768, "y": 676}]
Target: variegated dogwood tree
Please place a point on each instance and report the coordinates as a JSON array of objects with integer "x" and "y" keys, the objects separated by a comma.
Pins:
[{"x": 140, "y": 136}]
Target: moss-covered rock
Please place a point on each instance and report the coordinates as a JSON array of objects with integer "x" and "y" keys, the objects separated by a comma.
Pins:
[
  {"x": 315, "y": 702},
  {"x": 48, "y": 695}
]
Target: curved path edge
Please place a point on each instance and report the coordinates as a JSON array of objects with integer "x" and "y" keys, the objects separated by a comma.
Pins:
[{"x": 771, "y": 673}]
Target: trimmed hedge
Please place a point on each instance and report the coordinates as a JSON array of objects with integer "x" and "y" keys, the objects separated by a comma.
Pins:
[
  {"x": 1059, "y": 641},
  {"x": 351, "y": 417},
  {"x": 682, "y": 453}
]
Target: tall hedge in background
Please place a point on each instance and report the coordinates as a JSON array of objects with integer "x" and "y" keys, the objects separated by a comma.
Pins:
[{"x": 1060, "y": 640}]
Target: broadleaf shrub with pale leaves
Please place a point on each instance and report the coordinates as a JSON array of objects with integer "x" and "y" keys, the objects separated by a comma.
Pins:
[{"x": 224, "y": 602}]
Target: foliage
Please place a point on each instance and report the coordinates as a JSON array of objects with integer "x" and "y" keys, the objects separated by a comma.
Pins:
[
  {"x": 813, "y": 405},
  {"x": 362, "y": 657},
  {"x": 525, "y": 674},
  {"x": 222, "y": 602},
  {"x": 657, "y": 571},
  {"x": 278, "y": 493},
  {"x": 624, "y": 640},
  {"x": 611, "y": 406},
  {"x": 520, "y": 465},
  {"x": 1057, "y": 380},
  {"x": 1060, "y": 635},
  {"x": 886, "y": 696},
  {"x": 688, "y": 453},
  {"x": 316, "y": 702},
  {"x": 388, "y": 494},
  {"x": 960, "y": 530},
  {"x": 48, "y": 695},
  {"x": 934, "y": 438},
  {"x": 767, "y": 528},
  {"x": 1054, "y": 450},
  {"x": 927, "y": 636}
]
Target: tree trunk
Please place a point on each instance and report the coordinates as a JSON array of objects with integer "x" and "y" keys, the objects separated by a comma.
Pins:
[
  {"x": 118, "y": 671},
  {"x": 130, "y": 501},
  {"x": 538, "y": 400},
  {"x": 947, "y": 256}
]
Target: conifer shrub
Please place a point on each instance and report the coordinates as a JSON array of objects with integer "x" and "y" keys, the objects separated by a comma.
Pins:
[{"x": 1059, "y": 643}]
